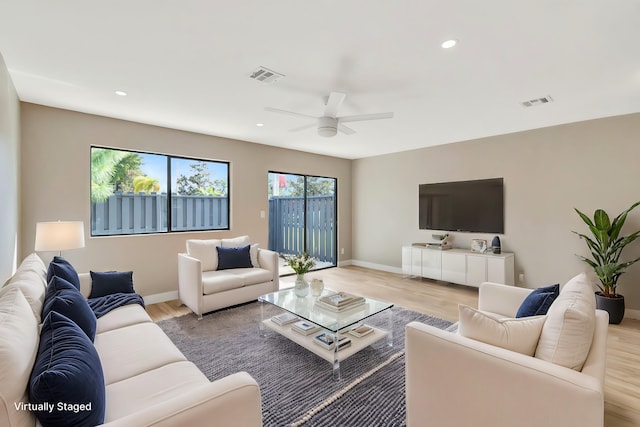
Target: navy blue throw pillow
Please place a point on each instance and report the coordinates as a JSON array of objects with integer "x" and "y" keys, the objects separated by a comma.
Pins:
[
  {"x": 538, "y": 302},
  {"x": 111, "y": 282},
  {"x": 62, "y": 268},
  {"x": 70, "y": 303},
  {"x": 55, "y": 285},
  {"x": 234, "y": 257},
  {"x": 67, "y": 381}
]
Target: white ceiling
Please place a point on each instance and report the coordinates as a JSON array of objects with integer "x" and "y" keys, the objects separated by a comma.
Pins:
[{"x": 185, "y": 65}]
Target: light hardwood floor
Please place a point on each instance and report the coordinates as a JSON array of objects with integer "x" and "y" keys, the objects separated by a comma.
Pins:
[{"x": 622, "y": 385}]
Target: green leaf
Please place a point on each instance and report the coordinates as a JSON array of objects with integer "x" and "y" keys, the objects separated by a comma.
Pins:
[
  {"x": 601, "y": 220},
  {"x": 585, "y": 218}
]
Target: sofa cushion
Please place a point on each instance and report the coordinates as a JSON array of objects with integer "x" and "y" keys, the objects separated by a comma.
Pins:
[
  {"x": 520, "y": 335},
  {"x": 127, "y": 315},
  {"x": 19, "y": 336},
  {"x": 30, "y": 279},
  {"x": 111, "y": 282},
  {"x": 237, "y": 257},
  {"x": 567, "y": 334},
  {"x": 205, "y": 251},
  {"x": 253, "y": 276},
  {"x": 167, "y": 382},
  {"x": 62, "y": 268},
  {"x": 537, "y": 303},
  {"x": 71, "y": 304},
  {"x": 67, "y": 371},
  {"x": 132, "y": 350},
  {"x": 235, "y": 242},
  {"x": 220, "y": 281}
]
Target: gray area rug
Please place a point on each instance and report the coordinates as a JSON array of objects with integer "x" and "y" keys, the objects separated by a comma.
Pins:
[{"x": 296, "y": 385}]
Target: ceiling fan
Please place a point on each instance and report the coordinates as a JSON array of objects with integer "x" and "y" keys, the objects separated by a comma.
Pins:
[{"x": 329, "y": 124}]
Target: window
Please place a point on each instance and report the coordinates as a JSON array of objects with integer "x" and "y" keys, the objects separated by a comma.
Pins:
[{"x": 136, "y": 193}]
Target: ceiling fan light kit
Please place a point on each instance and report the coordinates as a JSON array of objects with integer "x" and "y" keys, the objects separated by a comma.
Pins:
[{"x": 330, "y": 123}]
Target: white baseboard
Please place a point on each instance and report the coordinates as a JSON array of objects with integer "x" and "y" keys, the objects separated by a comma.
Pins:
[
  {"x": 632, "y": 314},
  {"x": 156, "y": 298},
  {"x": 374, "y": 266}
]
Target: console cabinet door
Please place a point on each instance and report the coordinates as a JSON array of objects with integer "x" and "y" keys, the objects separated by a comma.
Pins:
[
  {"x": 432, "y": 264},
  {"x": 501, "y": 270},
  {"x": 416, "y": 262},
  {"x": 476, "y": 270},
  {"x": 454, "y": 267},
  {"x": 406, "y": 261}
]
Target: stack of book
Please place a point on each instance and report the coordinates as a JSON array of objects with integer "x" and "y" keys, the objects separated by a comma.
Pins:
[
  {"x": 284, "y": 318},
  {"x": 326, "y": 340},
  {"x": 340, "y": 301},
  {"x": 305, "y": 328},
  {"x": 361, "y": 331}
]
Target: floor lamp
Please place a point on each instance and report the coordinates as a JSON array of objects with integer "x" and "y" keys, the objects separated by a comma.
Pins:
[{"x": 59, "y": 236}]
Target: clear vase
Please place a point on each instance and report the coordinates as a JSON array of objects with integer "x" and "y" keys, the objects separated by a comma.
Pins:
[
  {"x": 317, "y": 286},
  {"x": 301, "y": 288}
]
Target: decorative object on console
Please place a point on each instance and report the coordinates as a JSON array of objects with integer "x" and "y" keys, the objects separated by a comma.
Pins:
[
  {"x": 478, "y": 245},
  {"x": 59, "y": 236},
  {"x": 495, "y": 244},
  {"x": 606, "y": 246}
]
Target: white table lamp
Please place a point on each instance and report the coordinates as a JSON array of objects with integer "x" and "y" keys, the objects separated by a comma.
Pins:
[{"x": 59, "y": 236}]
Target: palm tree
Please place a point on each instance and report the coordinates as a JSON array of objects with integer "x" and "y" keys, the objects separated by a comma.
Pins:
[
  {"x": 145, "y": 184},
  {"x": 103, "y": 164}
]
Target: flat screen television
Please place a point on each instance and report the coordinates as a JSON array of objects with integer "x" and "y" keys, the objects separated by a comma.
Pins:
[{"x": 474, "y": 206}]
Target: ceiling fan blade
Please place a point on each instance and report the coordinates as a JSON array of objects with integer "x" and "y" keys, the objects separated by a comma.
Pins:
[
  {"x": 289, "y": 113},
  {"x": 333, "y": 103},
  {"x": 298, "y": 129},
  {"x": 346, "y": 129},
  {"x": 362, "y": 117}
]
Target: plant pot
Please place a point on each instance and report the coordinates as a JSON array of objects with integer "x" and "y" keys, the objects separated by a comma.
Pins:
[{"x": 612, "y": 305}]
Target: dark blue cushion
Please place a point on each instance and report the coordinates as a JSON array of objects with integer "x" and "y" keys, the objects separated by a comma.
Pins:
[
  {"x": 111, "y": 282},
  {"x": 62, "y": 268},
  {"x": 234, "y": 257},
  {"x": 55, "y": 285},
  {"x": 538, "y": 302},
  {"x": 67, "y": 376},
  {"x": 72, "y": 304}
]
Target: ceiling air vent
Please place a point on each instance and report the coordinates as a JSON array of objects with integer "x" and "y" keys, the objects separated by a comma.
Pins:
[
  {"x": 537, "y": 101},
  {"x": 265, "y": 75}
]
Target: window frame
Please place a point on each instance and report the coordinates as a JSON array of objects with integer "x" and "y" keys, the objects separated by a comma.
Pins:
[{"x": 170, "y": 193}]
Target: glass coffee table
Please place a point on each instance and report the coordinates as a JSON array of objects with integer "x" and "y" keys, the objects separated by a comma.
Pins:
[{"x": 333, "y": 324}]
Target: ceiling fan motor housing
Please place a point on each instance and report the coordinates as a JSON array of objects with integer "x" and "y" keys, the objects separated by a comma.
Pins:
[{"x": 327, "y": 126}]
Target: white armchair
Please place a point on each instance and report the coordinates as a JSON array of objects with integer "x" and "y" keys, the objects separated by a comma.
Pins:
[
  {"x": 456, "y": 381},
  {"x": 204, "y": 288}
]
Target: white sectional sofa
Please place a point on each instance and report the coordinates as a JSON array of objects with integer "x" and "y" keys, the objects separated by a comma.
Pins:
[
  {"x": 204, "y": 285},
  {"x": 453, "y": 380},
  {"x": 147, "y": 379}
]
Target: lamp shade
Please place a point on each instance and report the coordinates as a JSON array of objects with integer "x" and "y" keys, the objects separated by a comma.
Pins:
[{"x": 59, "y": 235}]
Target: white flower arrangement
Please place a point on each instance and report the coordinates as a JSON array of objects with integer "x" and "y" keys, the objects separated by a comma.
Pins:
[{"x": 300, "y": 263}]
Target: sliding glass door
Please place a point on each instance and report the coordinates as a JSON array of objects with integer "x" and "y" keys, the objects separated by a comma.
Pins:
[{"x": 302, "y": 216}]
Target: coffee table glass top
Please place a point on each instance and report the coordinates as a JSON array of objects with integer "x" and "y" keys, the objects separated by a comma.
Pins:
[{"x": 306, "y": 308}]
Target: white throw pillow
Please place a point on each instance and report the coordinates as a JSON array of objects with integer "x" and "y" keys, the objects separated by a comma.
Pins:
[
  {"x": 19, "y": 338},
  {"x": 253, "y": 253},
  {"x": 566, "y": 336},
  {"x": 236, "y": 242},
  {"x": 206, "y": 251},
  {"x": 520, "y": 335}
]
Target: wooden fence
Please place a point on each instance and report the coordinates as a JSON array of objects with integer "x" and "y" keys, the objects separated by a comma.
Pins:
[
  {"x": 287, "y": 226},
  {"x": 129, "y": 213}
]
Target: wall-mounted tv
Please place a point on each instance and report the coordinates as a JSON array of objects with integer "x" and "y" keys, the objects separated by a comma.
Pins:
[{"x": 474, "y": 206}]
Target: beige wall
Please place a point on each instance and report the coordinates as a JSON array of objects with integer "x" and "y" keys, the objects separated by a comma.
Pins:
[
  {"x": 9, "y": 173},
  {"x": 547, "y": 172},
  {"x": 55, "y": 185}
]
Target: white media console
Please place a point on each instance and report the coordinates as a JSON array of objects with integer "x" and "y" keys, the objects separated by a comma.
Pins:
[{"x": 458, "y": 265}]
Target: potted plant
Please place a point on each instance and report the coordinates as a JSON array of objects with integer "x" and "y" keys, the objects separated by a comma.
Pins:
[
  {"x": 606, "y": 246},
  {"x": 300, "y": 264}
]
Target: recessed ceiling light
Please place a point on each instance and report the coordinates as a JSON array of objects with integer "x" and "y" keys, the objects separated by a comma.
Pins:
[
  {"x": 121, "y": 93},
  {"x": 449, "y": 44},
  {"x": 259, "y": 124}
]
